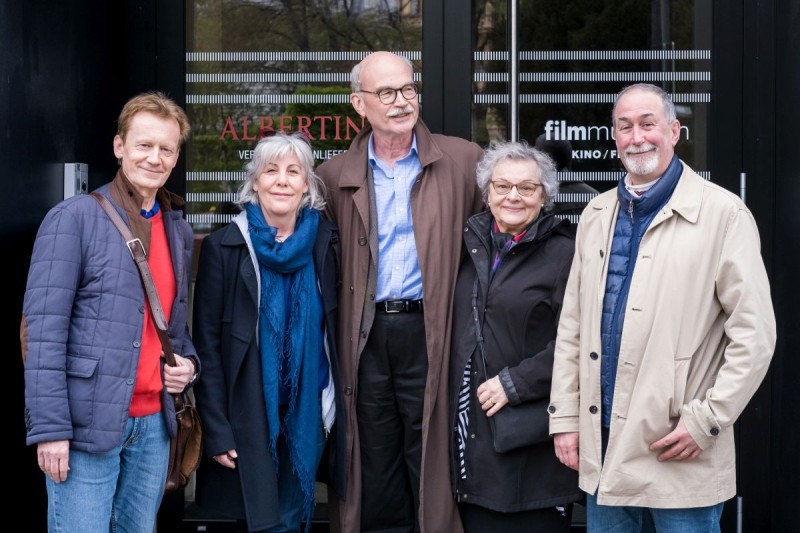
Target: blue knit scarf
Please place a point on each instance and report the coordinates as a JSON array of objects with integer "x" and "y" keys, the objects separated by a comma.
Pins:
[{"x": 295, "y": 343}]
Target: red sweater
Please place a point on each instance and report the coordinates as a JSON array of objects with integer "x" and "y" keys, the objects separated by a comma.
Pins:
[{"x": 147, "y": 390}]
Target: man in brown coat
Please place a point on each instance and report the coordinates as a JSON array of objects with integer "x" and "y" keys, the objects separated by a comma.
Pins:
[{"x": 400, "y": 196}]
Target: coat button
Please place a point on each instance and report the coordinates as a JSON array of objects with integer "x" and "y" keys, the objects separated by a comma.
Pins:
[
  {"x": 714, "y": 431},
  {"x": 474, "y": 250},
  {"x": 352, "y": 290},
  {"x": 348, "y": 391},
  {"x": 136, "y": 344},
  {"x": 593, "y": 409},
  {"x": 363, "y": 334},
  {"x": 551, "y": 409},
  {"x": 466, "y": 230},
  {"x": 602, "y": 253},
  {"x": 362, "y": 241},
  {"x": 593, "y": 355}
]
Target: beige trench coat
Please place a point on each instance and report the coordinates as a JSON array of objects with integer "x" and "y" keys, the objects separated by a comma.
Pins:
[
  {"x": 444, "y": 196},
  {"x": 698, "y": 337}
]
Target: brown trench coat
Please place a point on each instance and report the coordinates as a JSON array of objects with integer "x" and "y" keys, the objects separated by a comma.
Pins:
[{"x": 444, "y": 196}]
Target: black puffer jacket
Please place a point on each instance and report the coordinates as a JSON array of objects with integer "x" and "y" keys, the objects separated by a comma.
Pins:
[{"x": 519, "y": 313}]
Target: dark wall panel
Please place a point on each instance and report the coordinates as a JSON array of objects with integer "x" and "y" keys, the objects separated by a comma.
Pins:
[
  {"x": 758, "y": 119},
  {"x": 785, "y": 462},
  {"x": 64, "y": 77}
]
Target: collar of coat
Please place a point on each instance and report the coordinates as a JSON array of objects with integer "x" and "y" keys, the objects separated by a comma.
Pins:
[
  {"x": 540, "y": 229},
  {"x": 125, "y": 196},
  {"x": 685, "y": 201},
  {"x": 356, "y": 169}
]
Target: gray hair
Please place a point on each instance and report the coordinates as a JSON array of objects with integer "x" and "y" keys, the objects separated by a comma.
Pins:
[
  {"x": 666, "y": 99},
  {"x": 518, "y": 151},
  {"x": 275, "y": 147},
  {"x": 355, "y": 74}
]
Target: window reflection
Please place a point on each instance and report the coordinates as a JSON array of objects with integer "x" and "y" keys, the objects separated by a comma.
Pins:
[
  {"x": 261, "y": 65},
  {"x": 574, "y": 56}
]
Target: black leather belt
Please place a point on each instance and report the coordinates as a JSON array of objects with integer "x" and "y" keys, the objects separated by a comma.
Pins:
[{"x": 399, "y": 306}]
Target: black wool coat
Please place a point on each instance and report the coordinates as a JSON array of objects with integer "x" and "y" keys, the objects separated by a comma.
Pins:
[
  {"x": 519, "y": 307},
  {"x": 229, "y": 394}
]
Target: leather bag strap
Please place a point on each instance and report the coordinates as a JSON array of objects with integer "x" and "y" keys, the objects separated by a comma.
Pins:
[{"x": 140, "y": 257}]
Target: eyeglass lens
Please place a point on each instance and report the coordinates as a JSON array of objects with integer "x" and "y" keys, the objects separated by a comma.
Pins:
[
  {"x": 387, "y": 96},
  {"x": 526, "y": 188}
]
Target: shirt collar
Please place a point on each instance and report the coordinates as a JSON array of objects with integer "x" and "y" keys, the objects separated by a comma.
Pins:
[{"x": 151, "y": 213}]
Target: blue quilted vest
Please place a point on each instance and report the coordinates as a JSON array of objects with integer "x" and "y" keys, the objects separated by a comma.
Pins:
[{"x": 634, "y": 217}]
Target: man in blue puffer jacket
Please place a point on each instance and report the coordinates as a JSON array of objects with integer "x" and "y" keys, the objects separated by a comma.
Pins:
[{"x": 97, "y": 403}]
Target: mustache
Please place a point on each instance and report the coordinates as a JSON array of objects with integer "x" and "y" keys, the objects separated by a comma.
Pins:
[
  {"x": 641, "y": 149},
  {"x": 393, "y": 112}
]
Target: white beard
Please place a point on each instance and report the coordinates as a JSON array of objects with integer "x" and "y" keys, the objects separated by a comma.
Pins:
[{"x": 641, "y": 166}]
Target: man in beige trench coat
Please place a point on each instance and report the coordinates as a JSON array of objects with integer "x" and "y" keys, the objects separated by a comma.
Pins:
[
  {"x": 400, "y": 196},
  {"x": 666, "y": 332}
]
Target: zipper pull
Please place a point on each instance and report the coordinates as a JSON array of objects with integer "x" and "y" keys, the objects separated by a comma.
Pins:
[{"x": 630, "y": 209}]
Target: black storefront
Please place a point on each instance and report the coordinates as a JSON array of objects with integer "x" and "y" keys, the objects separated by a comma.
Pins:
[{"x": 242, "y": 66}]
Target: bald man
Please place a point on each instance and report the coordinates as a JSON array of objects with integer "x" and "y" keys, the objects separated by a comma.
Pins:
[{"x": 400, "y": 196}]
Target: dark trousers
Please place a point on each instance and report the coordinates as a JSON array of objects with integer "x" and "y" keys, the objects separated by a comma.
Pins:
[
  {"x": 477, "y": 519},
  {"x": 392, "y": 372}
]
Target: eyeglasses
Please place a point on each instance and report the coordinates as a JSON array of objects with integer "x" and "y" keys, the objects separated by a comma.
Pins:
[
  {"x": 389, "y": 95},
  {"x": 526, "y": 188}
]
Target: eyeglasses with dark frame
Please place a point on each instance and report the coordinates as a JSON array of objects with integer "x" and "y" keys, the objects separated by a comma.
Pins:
[
  {"x": 525, "y": 188},
  {"x": 389, "y": 95}
]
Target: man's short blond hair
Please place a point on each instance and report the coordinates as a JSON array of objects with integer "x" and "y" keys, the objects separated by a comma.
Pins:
[{"x": 157, "y": 103}]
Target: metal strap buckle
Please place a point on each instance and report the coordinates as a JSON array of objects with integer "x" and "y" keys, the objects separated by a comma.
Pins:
[{"x": 131, "y": 243}]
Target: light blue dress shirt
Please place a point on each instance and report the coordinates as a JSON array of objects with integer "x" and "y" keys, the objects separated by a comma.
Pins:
[{"x": 399, "y": 275}]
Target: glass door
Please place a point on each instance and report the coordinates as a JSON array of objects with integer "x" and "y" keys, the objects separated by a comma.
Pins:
[
  {"x": 254, "y": 66},
  {"x": 546, "y": 71}
]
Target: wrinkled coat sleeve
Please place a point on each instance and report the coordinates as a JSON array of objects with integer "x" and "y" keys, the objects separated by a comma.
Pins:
[
  {"x": 53, "y": 279},
  {"x": 742, "y": 288}
]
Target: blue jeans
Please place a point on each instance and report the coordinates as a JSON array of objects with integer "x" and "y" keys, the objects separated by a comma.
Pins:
[
  {"x": 627, "y": 519},
  {"x": 290, "y": 494},
  {"x": 117, "y": 491}
]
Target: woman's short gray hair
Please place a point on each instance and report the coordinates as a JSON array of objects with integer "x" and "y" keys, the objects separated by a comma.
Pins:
[
  {"x": 274, "y": 147},
  {"x": 518, "y": 151}
]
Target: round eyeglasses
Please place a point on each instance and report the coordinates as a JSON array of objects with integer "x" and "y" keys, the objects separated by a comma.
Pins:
[
  {"x": 526, "y": 188},
  {"x": 389, "y": 95}
]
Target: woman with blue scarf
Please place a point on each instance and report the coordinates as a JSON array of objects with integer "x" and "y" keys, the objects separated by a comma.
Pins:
[{"x": 264, "y": 317}]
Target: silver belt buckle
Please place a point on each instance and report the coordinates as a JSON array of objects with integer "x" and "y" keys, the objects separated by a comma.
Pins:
[{"x": 386, "y": 307}]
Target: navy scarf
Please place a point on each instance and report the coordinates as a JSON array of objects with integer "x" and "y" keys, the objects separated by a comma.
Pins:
[{"x": 290, "y": 333}]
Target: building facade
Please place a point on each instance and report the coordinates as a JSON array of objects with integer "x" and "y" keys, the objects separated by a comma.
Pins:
[{"x": 488, "y": 70}]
